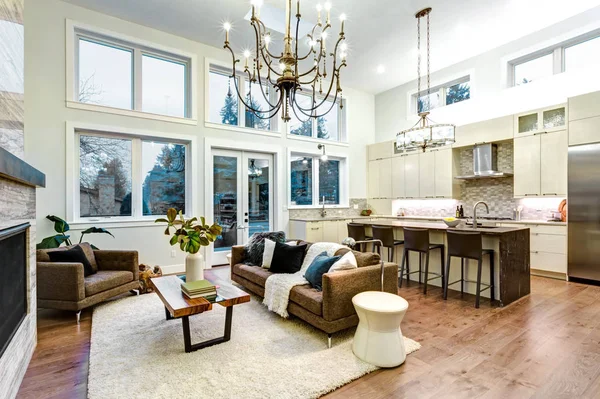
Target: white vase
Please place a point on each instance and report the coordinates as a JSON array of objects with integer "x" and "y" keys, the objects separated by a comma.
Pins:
[{"x": 194, "y": 267}]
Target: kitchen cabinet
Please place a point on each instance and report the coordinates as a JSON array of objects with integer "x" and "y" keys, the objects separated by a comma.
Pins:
[
  {"x": 398, "y": 180},
  {"x": 443, "y": 176},
  {"x": 543, "y": 120},
  {"x": 584, "y": 106},
  {"x": 330, "y": 231},
  {"x": 427, "y": 174},
  {"x": 497, "y": 129},
  {"x": 380, "y": 150},
  {"x": 540, "y": 165},
  {"x": 314, "y": 232},
  {"x": 411, "y": 176},
  {"x": 584, "y": 131},
  {"x": 380, "y": 178},
  {"x": 319, "y": 231}
]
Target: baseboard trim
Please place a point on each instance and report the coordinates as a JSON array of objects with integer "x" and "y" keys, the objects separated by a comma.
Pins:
[{"x": 544, "y": 273}]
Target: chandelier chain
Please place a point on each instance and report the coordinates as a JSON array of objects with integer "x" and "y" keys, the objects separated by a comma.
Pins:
[
  {"x": 428, "y": 64},
  {"x": 419, "y": 58}
]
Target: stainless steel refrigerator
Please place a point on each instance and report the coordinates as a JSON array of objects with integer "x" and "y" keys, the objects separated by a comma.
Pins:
[{"x": 584, "y": 212}]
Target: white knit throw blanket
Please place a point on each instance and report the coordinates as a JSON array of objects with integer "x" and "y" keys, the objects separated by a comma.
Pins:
[{"x": 278, "y": 286}]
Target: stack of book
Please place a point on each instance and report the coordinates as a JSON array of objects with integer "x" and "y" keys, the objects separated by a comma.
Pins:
[{"x": 199, "y": 289}]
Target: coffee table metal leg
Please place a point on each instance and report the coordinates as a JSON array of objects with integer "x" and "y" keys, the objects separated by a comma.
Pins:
[
  {"x": 187, "y": 341},
  {"x": 168, "y": 314}
]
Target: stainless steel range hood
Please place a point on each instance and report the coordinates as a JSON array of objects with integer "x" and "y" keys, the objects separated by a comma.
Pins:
[{"x": 485, "y": 163}]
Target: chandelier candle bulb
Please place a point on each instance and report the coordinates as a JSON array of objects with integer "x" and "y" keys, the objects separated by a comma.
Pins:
[
  {"x": 328, "y": 9},
  {"x": 343, "y": 19},
  {"x": 319, "y": 8}
]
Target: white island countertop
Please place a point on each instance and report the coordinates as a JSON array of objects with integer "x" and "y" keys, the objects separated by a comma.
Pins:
[{"x": 430, "y": 218}]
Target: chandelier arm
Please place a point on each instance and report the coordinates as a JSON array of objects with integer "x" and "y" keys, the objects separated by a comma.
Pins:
[
  {"x": 334, "y": 54},
  {"x": 257, "y": 33},
  {"x": 335, "y": 79},
  {"x": 261, "y": 24},
  {"x": 314, "y": 108},
  {"x": 254, "y": 111},
  {"x": 309, "y": 117}
]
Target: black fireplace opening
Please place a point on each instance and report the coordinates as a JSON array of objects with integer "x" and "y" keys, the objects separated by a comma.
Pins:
[{"x": 13, "y": 282}]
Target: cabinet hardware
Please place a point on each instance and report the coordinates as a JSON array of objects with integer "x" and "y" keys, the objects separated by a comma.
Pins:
[
  {"x": 429, "y": 196},
  {"x": 550, "y": 194},
  {"x": 314, "y": 228},
  {"x": 440, "y": 196},
  {"x": 534, "y": 252},
  {"x": 531, "y": 195}
]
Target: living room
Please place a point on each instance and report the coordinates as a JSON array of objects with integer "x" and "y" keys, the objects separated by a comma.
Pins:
[{"x": 296, "y": 161}]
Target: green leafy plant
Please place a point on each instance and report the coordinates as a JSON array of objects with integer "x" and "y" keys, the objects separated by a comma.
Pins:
[
  {"x": 190, "y": 234},
  {"x": 61, "y": 227}
]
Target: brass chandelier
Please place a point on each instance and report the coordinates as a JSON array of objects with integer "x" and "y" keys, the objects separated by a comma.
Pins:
[
  {"x": 425, "y": 133},
  {"x": 283, "y": 71}
]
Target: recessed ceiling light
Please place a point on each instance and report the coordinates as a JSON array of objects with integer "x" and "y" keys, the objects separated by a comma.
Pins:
[{"x": 380, "y": 69}]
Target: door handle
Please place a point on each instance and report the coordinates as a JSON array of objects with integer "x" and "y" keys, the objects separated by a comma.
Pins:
[{"x": 241, "y": 227}]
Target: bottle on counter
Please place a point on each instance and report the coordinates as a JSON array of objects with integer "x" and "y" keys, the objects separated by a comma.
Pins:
[
  {"x": 457, "y": 212},
  {"x": 461, "y": 212}
]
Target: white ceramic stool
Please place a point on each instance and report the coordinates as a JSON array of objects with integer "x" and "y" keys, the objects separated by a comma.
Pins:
[{"x": 378, "y": 339}]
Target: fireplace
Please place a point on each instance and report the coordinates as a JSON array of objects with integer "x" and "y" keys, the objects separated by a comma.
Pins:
[{"x": 14, "y": 254}]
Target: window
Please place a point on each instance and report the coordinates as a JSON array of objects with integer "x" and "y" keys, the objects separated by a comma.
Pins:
[
  {"x": 310, "y": 175},
  {"x": 225, "y": 108},
  {"x": 449, "y": 93},
  {"x": 574, "y": 54},
  {"x": 535, "y": 69},
  {"x": 109, "y": 186},
  {"x": 117, "y": 73},
  {"x": 326, "y": 127}
]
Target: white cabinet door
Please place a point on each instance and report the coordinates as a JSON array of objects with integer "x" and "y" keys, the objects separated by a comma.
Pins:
[
  {"x": 342, "y": 227},
  {"x": 373, "y": 179},
  {"x": 527, "y": 166},
  {"x": 314, "y": 231},
  {"x": 381, "y": 150},
  {"x": 398, "y": 177},
  {"x": 549, "y": 262},
  {"x": 330, "y": 231},
  {"x": 427, "y": 174},
  {"x": 385, "y": 178},
  {"x": 554, "y": 159},
  {"x": 411, "y": 176},
  {"x": 487, "y": 131},
  {"x": 443, "y": 173},
  {"x": 584, "y": 131}
]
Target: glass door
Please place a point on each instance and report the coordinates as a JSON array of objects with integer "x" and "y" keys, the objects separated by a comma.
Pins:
[{"x": 242, "y": 198}]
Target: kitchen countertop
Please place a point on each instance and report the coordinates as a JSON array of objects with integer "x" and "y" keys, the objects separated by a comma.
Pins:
[
  {"x": 442, "y": 226},
  {"x": 431, "y": 218}
]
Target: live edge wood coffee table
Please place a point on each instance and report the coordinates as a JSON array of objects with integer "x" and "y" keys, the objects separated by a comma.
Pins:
[{"x": 178, "y": 305}]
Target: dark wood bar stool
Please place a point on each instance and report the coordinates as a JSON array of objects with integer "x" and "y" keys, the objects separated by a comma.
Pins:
[
  {"x": 418, "y": 240},
  {"x": 386, "y": 235},
  {"x": 468, "y": 245},
  {"x": 357, "y": 232}
]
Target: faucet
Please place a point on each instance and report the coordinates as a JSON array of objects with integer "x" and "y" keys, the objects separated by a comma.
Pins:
[
  {"x": 475, "y": 212},
  {"x": 323, "y": 211}
]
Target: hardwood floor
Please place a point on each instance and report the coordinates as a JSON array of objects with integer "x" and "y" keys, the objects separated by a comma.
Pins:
[{"x": 546, "y": 345}]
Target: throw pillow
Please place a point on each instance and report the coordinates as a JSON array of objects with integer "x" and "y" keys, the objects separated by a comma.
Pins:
[
  {"x": 362, "y": 258},
  {"x": 287, "y": 258},
  {"x": 318, "y": 247},
  {"x": 319, "y": 266},
  {"x": 346, "y": 262},
  {"x": 254, "y": 250},
  {"x": 73, "y": 255},
  {"x": 269, "y": 250}
]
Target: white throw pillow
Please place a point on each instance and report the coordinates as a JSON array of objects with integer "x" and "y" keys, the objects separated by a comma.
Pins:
[
  {"x": 346, "y": 262},
  {"x": 316, "y": 249},
  {"x": 269, "y": 250}
]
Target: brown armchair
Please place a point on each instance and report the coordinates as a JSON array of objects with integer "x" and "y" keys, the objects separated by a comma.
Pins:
[{"x": 63, "y": 285}]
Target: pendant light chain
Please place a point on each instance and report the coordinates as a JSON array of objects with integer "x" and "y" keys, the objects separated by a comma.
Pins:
[
  {"x": 428, "y": 65},
  {"x": 419, "y": 60}
]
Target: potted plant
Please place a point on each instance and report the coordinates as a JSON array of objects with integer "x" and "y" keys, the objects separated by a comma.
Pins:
[
  {"x": 61, "y": 227},
  {"x": 191, "y": 235}
]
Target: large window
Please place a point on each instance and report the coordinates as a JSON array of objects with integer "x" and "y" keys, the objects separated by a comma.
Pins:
[
  {"x": 310, "y": 175},
  {"x": 109, "y": 185},
  {"x": 452, "y": 92},
  {"x": 326, "y": 127},
  {"x": 582, "y": 52},
  {"x": 115, "y": 73}
]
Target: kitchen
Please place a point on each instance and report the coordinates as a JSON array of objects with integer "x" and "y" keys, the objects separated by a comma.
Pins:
[{"x": 517, "y": 164}]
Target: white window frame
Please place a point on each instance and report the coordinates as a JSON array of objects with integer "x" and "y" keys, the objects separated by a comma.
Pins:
[
  {"x": 443, "y": 90},
  {"x": 343, "y": 179},
  {"x": 558, "y": 55},
  {"x": 342, "y": 126},
  {"x": 73, "y": 132},
  {"x": 139, "y": 48}
]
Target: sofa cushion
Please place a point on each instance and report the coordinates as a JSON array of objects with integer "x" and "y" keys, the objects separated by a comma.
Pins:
[
  {"x": 287, "y": 258},
  {"x": 105, "y": 280},
  {"x": 308, "y": 297},
  {"x": 362, "y": 258},
  {"x": 73, "y": 255},
  {"x": 43, "y": 255},
  {"x": 254, "y": 249},
  {"x": 257, "y": 275}
]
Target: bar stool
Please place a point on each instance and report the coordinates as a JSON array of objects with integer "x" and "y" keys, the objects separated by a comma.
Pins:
[
  {"x": 357, "y": 232},
  {"x": 386, "y": 235},
  {"x": 418, "y": 240},
  {"x": 468, "y": 245}
]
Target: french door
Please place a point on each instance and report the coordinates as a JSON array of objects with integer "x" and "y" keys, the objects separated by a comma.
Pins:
[{"x": 242, "y": 192}]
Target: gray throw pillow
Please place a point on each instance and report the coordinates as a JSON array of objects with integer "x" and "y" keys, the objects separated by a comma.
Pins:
[{"x": 253, "y": 251}]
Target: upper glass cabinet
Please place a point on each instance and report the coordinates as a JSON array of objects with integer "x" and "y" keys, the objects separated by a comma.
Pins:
[{"x": 540, "y": 121}]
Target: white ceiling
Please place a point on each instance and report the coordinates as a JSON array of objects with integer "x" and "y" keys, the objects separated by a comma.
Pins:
[{"x": 378, "y": 32}]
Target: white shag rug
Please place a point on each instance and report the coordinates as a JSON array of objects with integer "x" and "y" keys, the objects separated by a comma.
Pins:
[{"x": 136, "y": 352}]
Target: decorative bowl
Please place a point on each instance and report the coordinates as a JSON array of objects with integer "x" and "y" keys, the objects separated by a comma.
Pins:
[{"x": 451, "y": 222}]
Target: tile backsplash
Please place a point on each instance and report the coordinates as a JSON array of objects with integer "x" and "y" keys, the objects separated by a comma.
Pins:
[{"x": 343, "y": 212}]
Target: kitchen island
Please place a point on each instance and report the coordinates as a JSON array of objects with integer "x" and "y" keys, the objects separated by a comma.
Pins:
[{"x": 511, "y": 256}]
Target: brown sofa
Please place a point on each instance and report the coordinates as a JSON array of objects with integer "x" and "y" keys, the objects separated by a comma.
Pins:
[
  {"x": 63, "y": 285},
  {"x": 330, "y": 310}
]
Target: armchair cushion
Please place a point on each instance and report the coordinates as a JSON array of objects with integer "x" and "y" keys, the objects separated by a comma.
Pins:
[
  {"x": 118, "y": 260},
  {"x": 73, "y": 255},
  {"x": 105, "y": 280}
]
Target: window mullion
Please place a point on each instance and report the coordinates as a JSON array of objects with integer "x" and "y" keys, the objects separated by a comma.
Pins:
[
  {"x": 316, "y": 167},
  {"x": 242, "y": 107},
  {"x": 558, "y": 60},
  {"x": 137, "y": 79},
  {"x": 136, "y": 178}
]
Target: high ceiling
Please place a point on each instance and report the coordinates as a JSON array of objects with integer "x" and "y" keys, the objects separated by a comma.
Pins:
[{"x": 381, "y": 32}]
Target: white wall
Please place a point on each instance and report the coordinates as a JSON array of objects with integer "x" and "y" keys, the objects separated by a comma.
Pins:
[
  {"x": 46, "y": 116},
  {"x": 491, "y": 96}
]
